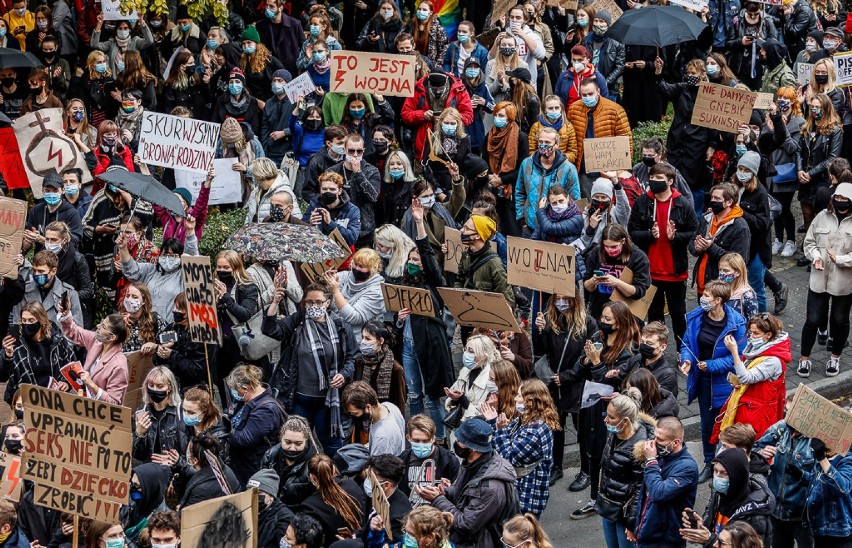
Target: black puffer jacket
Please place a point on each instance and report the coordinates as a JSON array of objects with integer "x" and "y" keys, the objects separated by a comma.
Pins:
[
  {"x": 622, "y": 472},
  {"x": 294, "y": 485},
  {"x": 668, "y": 407},
  {"x": 272, "y": 523},
  {"x": 755, "y": 207}
]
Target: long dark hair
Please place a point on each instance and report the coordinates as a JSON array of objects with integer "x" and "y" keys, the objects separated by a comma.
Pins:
[
  {"x": 626, "y": 333},
  {"x": 648, "y": 385},
  {"x": 615, "y": 233}
]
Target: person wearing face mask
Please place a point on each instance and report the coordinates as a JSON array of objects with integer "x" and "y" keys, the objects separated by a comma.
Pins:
[
  {"x": 826, "y": 498},
  {"x": 507, "y": 147},
  {"x": 331, "y": 152},
  {"x": 124, "y": 40},
  {"x": 41, "y": 95},
  {"x": 760, "y": 376},
  {"x": 173, "y": 226},
  {"x": 707, "y": 361},
  {"x": 822, "y": 141},
  {"x": 568, "y": 85},
  {"x": 129, "y": 117},
  {"x": 268, "y": 179},
  {"x": 273, "y": 517},
  {"x": 36, "y": 353},
  {"x": 357, "y": 293},
  {"x": 606, "y": 264},
  {"x": 20, "y": 21},
  {"x": 777, "y": 73},
  {"x": 258, "y": 64},
  {"x": 277, "y": 112},
  {"x": 289, "y": 459},
  {"x": 93, "y": 87},
  {"x": 110, "y": 152},
  {"x": 360, "y": 115},
  {"x": 465, "y": 48},
  {"x": 45, "y": 287},
  {"x": 393, "y": 246},
  {"x": 652, "y": 357},
  {"x": 813, "y": 51},
  {"x": 164, "y": 529},
  {"x": 396, "y": 192},
  {"x": 607, "y": 55},
  {"x": 165, "y": 275},
  {"x": 559, "y": 221},
  {"x": 662, "y": 222},
  {"x": 331, "y": 209},
  {"x": 204, "y": 485},
  {"x": 427, "y": 462},
  {"x": 308, "y": 137},
  {"x": 73, "y": 268},
  {"x": 317, "y": 359},
  {"x": 382, "y": 421},
  {"x": 158, "y": 433},
  {"x": 433, "y": 94},
  {"x": 437, "y": 216},
  {"x": 51, "y": 209},
  {"x": 553, "y": 116},
  {"x": 282, "y": 34},
  {"x": 736, "y": 497},
  {"x": 470, "y": 389},
  {"x": 430, "y": 38},
  {"x": 237, "y": 301},
  {"x": 527, "y": 442},
  {"x": 144, "y": 324},
  {"x": 669, "y": 485},
  {"x": 238, "y": 103},
  {"x": 480, "y": 267},
  {"x": 185, "y": 32},
  {"x": 7, "y": 40},
  {"x": 480, "y": 97},
  {"x": 380, "y": 32},
  {"x": 745, "y": 40}
]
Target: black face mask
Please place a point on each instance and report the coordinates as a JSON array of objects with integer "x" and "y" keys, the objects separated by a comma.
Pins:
[
  {"x": 647, "y": 351},
  {"x": 597, "y": 205},
  {"x": 381, "y": 147},
  {"x": 19, "y": 414},
  {"x": 7, "y": 82},
  {"x": 225, "y": 277},
  {"x": 313, "y": 125},
  {"x": 189, "y": 70},
  {"x": 328, "y": 198},
  {"x": 360, "y": 276},
  {"x": 157, "y": 396},
  {"x": 821, "y": 78},
  {"x": 717, "y": 206},
  {"x": 29, "y": 330},
  {"x": 294, "y": 455},
  {"x": 657, "y": 187},
  {"x": 840, "y": 207},
  {"x": 606, "y": 328},
  {"x": 178, "y": 316},
  {"x": 466, "y": 238},
  {"x": 37, "y": 91},
  {"x": 276, "y": 214},
  {"x": 649, "y": 160},
  {"x": 13, "y": 446},
  {"x": 461, "y": 452}
]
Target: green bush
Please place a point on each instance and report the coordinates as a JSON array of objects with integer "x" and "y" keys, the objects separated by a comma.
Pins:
[
  {"x": 217, "y": 229},
  {"x": 646, "y": 130}
]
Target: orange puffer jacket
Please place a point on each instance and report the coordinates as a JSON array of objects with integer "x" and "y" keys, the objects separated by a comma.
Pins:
[{"x": 610, "y": 121}]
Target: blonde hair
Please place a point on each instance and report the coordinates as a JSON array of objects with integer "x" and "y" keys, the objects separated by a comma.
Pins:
[
  {"x": 406, "y": 163},
  {"x": 430, "y": 526},
  {"x": 236, "y": 263},
  {"x": 740, "y": 284},
  {"x": 257, "y": 61},
  {"x": 500, "y": 62},
  {"x": 245, "y": 376},
  {"x": 628, "y": 405},
  {"x": 263, "y": 169},
  {"x": 460, "y": 133},
  {"x": 401, "y": 245},
  {"x": 526, "y": 527},
  {"x": 482, "y": 345},
  {"x": 421, "y": 422},
  {"x": 162, "y": 375},
  {"x": 574, "y": 320},
  {"x": 829, "y": 86},
  {"x": 92, "y": 60},
  {"x": 369, "y": 258}
]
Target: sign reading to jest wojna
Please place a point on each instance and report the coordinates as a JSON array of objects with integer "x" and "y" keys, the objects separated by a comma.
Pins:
[{"x": 382, "y": 73}]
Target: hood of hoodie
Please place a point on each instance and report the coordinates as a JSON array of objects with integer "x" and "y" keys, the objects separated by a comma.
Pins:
[
  {"x": 735, "y": 212},
  {"x": 735, "y": 463},
  {"x": 559, "y": 158},
  {"x": 153, "y": 480},
  {"x": 775, "y": 52},
  {"x": 358, "y": 287},
  {"x": 780, "y": 347},
  {"x": 674, "y": 195}
]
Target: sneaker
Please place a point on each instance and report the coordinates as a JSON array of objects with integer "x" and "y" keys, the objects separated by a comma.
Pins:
[
  {"x": 804, "y": 369},
  {"x": 587, "y": 510},
  {"x": 822, "y": 337},
  {"x": 789, "y": 249},
  {"x": 781, "y": 298},
  {"x": 555, "y": 475},
  {"x": 777, "y": 246},
  {"x": 580, "y": 483},
  {"x": 803, "y": 261},
  {"x": 832, "y": 368}
]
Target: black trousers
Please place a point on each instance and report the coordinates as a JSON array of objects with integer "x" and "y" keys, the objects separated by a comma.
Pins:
[
  {"x": 675, "y": 294},
  {"x": 816, "y": 316}
]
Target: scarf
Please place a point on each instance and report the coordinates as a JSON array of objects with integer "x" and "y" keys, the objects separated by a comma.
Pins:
[
  {"x": 712, "y": 228},
  {"x": 122, "y": 44},
  {"x": 129, "y": 121},
  {"x": 570, "y": 212},
  {"x": 237, "y": 107},
  {"x": 323, "y": 67},
  {"x": 502, "y": 145},
  {"x": 332, "y": 396},
  {"x": 730, "y": 416},
  {"x": 545, "y": 122},
  {"x": 380, "y": 365}
]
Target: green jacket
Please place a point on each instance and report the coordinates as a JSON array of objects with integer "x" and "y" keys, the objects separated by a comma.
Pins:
[
  {"x": 779, "y": 77},
  {"x": 489, "y": 276}
]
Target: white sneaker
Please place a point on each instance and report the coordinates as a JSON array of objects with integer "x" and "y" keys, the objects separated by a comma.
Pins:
[
  {"x": 777, "y": 246},
  {"x": 789, "y": 249},
  {"x": 832, "y": 368}
]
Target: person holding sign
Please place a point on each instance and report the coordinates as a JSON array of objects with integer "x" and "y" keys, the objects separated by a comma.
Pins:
[
  {"x": 605, "y": 269},
  {"x": 480, "y": 268}
]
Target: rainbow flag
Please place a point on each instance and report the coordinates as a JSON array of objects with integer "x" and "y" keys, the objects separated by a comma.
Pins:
[{"x": 449, "y": 15}]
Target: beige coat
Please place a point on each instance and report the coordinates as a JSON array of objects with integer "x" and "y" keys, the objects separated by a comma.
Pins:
[
  {"x": 476, "y": 394},
  {"x": 824, "y": 234}
]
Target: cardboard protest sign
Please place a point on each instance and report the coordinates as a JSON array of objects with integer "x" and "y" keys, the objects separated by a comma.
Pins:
[
  {"x": 607, "y": 153},
  {"x": 180, "y": 143},
  {"x": 226, "y": 521},
  {"x": 694, "y": 5},
  {"x": 45, "y": 148},
  {"x": 452, "y": 238},
  {"x": 566, "y": 4},
  {"x": 418, "y": 301},
  {"x": 300, "y": 86},
  {"x": 763, "y": 101},
  {"x": 78, "y": 453},
  {"x": 111, "y": 9},
  {"x": 817, "y": 417},
  {"x": 13, "y": 218},
  {"x": 138, "y": 367},
  {"x": 200, "y": 299},
  {"x": 381, "y": 505},
  {"x": 227, "y": 187},
  {"x": 541, "y": 265},
  {"x": 803, "y": 73},
  {"x": 382, "y": 73},
  {"x": 479, "y": 309},
  {"x": 843, "y": 68},
  {"x": 10, "y": 477},
  {"x": 313, "y": 271},
  {"x": 639, "y": 307},
  {"x": 500, "y": 7},
  {"x": 611, "y": 6},
  {"x": 722, "y": 107}
]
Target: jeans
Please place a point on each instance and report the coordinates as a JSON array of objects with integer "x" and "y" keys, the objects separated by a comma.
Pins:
[
  {"x": 318, "y": 416},
  {"x": 414, "y": 384},
  {"x": 614, "y": 534},
  {"x": 675, "y": 294},
  {"x": 698, "y": 201},
  {"x": 786, "y": 534},
  {"x": 708, "y": 416},
  {"x": 756, "y": 270},
  {"x": 816, "y": 316}
]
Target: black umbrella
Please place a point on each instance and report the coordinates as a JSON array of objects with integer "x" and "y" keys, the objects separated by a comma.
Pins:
[
  {"x": 13, "y": 58},
  {"x": 657, "y": 26},
  {"x": 145, "y": 187}
]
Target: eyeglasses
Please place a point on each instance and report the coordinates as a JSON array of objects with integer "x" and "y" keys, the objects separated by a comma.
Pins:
[{"x": 314, "y": 303}]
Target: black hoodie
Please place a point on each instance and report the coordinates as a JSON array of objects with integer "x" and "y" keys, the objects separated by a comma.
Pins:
[{"x": 776, "y": 52}]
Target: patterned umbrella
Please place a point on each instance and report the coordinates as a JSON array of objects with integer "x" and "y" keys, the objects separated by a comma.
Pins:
[{"x": 280, "y": 241}]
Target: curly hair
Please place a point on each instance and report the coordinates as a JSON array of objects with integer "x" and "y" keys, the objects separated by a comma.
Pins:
[
  {"x": 257, "y": 61},
  {"x": 146, "y": 323},
  {"x": 539, "y": 404},
  {"x": 430, "y": 526}
]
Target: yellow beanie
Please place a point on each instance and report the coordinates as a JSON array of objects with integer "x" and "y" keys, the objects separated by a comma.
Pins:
[{"x": 485, "y": 226}]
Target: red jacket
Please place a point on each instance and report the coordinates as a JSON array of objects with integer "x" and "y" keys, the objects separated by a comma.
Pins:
[
  {"x": 104, "y": 160},
  {"x": 87, "y": 18},
  {"x": 762, "y": 404},
  {"x": 414, "y": 107}
]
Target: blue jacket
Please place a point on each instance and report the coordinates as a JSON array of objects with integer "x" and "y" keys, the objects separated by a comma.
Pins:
[
  {"x": 721, "y": 363},
  {"x": 346, "y": 219},
  {"x": 569, "y": 78},
  {"x": 276, "y": 113},
  {"x": 829, "y": 508},
  {"x": 305, "y": 143},
  {"x": 451, "y": 58},
  {"x": 476, "y": 130},
  {"x": 793, "y": 462},
  {"x": 564, "y": 231},
  {"x": 670, "y": 485},
  {"x": 534, "y": 181}
]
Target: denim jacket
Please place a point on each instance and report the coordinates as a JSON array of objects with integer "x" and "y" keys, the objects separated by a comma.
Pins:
[
  {"x": 792, "y": 463},
  {"x": 829, "y": 507}
]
